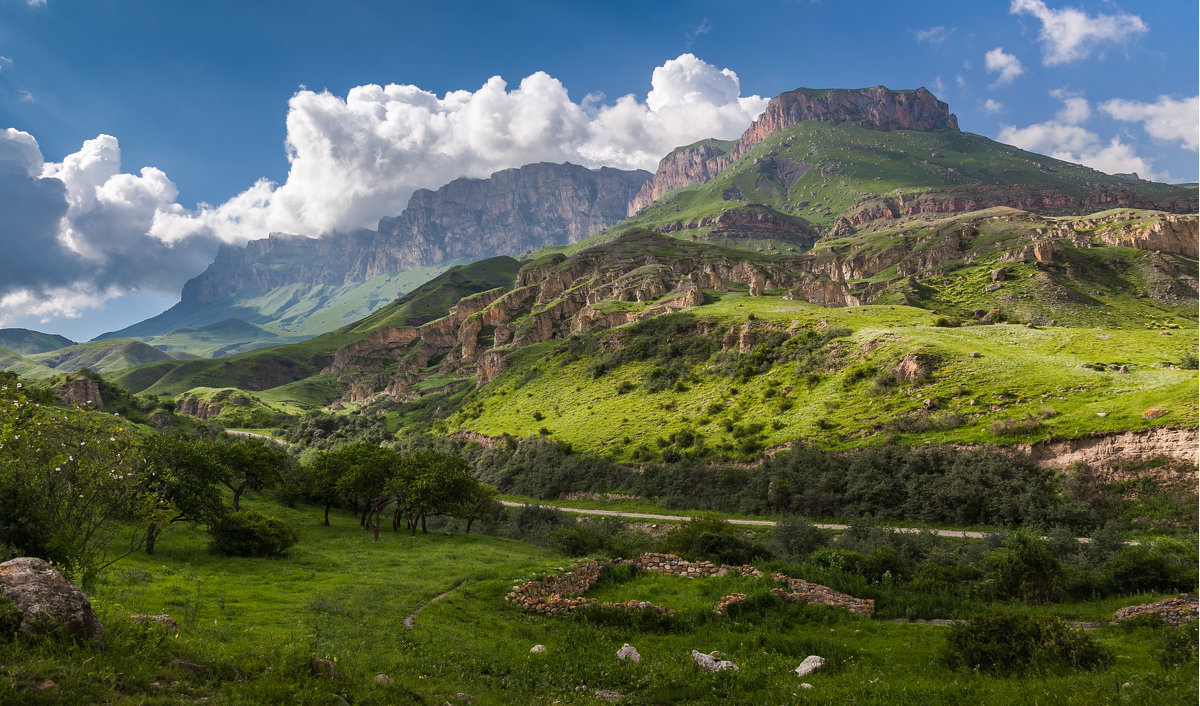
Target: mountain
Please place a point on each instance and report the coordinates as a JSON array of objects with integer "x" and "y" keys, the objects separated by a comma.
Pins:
[
  {"x": 857, "y": 270},
  {"x": 21, "y": 340},
  {"x": 295, "y": 287},
  {"x": 841, "y": 159}
]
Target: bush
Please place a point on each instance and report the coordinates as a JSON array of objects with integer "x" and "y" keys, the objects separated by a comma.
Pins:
[
  {"x": 577, "y": 541},
  {"x": 1013, "y": 643},
  {"x": 252, "y": 534},
  {"x": 1023, "y": 567},
  {"x": 794, "y": 538}
]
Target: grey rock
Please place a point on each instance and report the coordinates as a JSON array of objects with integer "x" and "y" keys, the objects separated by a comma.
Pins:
[
  {"x": 47, "y": 602},
  {"x": 628, "y": 652},
  {"x": 711, "y": 663},
  {"x": 537, "y": 649},
  {"x": 810, "y": 664}
]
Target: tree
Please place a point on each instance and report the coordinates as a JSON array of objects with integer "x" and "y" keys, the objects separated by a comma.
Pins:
[
  {"x": 365, "y": 470},
  {"x": 68, "y": 478},
  {"x": 250, "y": 464},
  {"x": 431, "y": 483},
  {"x": 478, "y": 503},
  {"x": 182, "y": 474}
]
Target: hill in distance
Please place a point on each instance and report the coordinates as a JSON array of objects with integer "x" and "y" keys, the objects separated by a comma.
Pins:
[
  {"x": 294, "y": 287},
  {"x": 99, "y": 356},
  {"x": 24, "y": 341}
]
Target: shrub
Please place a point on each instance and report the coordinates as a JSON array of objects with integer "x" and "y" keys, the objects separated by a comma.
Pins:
[
  {"x": 1176, "y": 645},
  {"x": 1013, "y": 643},
  {"x": 1023, "y": 567},
  {"x": 250, "y": 533},
  {"x": 536, "y": 524},
  {"x": 794, "y": 538},
  {"x": 1189, "y": 361},
  {"x": 577, "y": 541}
]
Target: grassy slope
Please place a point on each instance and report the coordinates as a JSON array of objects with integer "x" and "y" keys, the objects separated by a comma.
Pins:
[
  {"x": 100, "y": 356},
  {"x": 1021, "y": 372},
  {"x": 282, "y": 315},
  {"x": 304, "y": 388},
  {"x": 24, "y": 341},
  {"x": 253, "y": 625},
  {"x": 859, "y": 163}
]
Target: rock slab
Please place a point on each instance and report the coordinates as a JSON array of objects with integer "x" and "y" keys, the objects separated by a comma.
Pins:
[
  {"x": 810, "y": 664},
  {"x": 711, "y": 663}
]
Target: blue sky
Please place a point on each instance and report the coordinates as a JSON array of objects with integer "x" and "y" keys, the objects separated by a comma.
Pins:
[{"x": 142, "y": 133}]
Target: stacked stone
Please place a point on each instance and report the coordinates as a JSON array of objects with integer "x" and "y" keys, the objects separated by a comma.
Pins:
[
  {"x": 671, "y": 564},
  {"x": 726, "y": 601},
  {"x": 1174, "y": 611},
  {"x": 802, "y": 591},
  {"x": 572, "y": 583}
]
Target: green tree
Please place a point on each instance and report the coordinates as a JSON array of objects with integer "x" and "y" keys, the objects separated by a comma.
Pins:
[
  {"x": 431, "y": 483},
  {"x": 478, "y": 503},
  {"x": 182, "y": 474},
  {"x": 250, "y": 464}
]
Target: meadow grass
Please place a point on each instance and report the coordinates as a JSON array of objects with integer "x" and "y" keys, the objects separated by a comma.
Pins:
[{"x": 249, "y": 628}]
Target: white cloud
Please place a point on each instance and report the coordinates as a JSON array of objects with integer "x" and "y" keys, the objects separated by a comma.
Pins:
[
  {"x": 1070, "y": 34},
  {"x": 25, "y": 97},
  {"x": 89, "y": 231},
  {"x": 1167, "y": 119},
  {"x": 933, "y": 35},
  {"x": 1063, "y": 138},
  {"x": 1007, "y": 65},
  {"x": 37, "y": 3},
  {"x": 357, "y": 159},
  {"x": 5, "y": 61},
  {"x": 991, "y": 107}
]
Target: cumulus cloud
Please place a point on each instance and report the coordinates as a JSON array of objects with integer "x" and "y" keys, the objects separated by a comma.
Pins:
[
  {"x": 933, "y": 35},
  {"x": 991, "y": 107},
  {"x": 1064, "y": 138},
  {"x": 1007, "y": 65},
  {"x": 357, "y": 159},
  {"x": 75, "y": 232},
  {"x": 1167, "y": 119},
  {"x": 1071, "y": 34},
  {"x": 95, "y": 232}
]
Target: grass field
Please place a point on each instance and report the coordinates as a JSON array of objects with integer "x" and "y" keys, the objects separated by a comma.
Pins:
[{"x": 249, "y": 629}]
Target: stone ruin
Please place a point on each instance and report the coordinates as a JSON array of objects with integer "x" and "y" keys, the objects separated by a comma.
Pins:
[
  {"x": 561, "y": 594},
  {"x": 1173, "y": 611}
]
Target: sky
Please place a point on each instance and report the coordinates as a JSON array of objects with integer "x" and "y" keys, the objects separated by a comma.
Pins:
[{"x": 137, "y": 136}]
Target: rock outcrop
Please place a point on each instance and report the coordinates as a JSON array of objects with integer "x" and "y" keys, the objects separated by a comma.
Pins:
[
  {"x": 694, "y": 164},
  {"x": 46, "y": 602},
  {"x": 509, "y": 213},
  {"x": 1173, "y": 611},
  {"x": 1103, "y": 451}
]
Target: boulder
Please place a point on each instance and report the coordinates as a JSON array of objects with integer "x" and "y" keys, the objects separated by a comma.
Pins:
[
  {"x": 710, "y": 663},
  {"x": 46, "y": 602},
  {"x": 324, "y": 668},
  {"x": 998, "y": 274},
  {"x": 810, "y": 664},
  {"x": 537, "y": 649},
  {"x": 384, "y": 679},
  {"x": 628, "y": 652}
]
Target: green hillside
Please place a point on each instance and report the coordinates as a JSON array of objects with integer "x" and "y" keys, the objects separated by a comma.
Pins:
[
  {"x": 295, "y": 366},
  {"x": 818, "y": 172},
  {"x": 24, "y": 341},
  {"x": 269, "y": 318},
  {"x": 100, "y": 356}
]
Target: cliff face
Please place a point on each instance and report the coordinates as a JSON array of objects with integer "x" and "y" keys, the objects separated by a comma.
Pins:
[
  {"x": 876, "y": 108},
  {"x": 509, "y": 213}
]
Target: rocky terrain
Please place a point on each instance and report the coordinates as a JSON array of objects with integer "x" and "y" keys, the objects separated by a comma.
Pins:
[{"x": 509, "y": 213}]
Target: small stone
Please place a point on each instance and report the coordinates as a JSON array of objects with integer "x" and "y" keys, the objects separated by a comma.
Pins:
[
  {"x": 992, "y": 287},
  {"x": 710, "y": 662},
  {"x": 976, "y": 354},
  {"x": 46, "y": 685},
  {"x": 927, "y": 404},
  {"x": 384, "y": 679},
  {"x": 806, "y": 685},
  {"x": 1124, "y": 370},
  {"x": 1101, "y": 414},
  {"x": 810, "y": 664},
  {"x": 628, "y": 652},
  {"x": 464, "y": 697},
  {"x": 537, "y": 649},
  {"x": 1127, "y": 685}
]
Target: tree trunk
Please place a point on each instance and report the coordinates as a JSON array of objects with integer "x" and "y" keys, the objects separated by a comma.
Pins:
[
  {"x": 151, "y": 536},
  {"x": 237, "y": 494},
  {"x": 469, "y": 521},
  {"x": 423, "y": 530},
  {"x": 327, "y": 513}
]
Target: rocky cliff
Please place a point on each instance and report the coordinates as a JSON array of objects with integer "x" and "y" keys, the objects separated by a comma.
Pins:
[
  {"x": 509, "y": 213},
  {"x": 876, "y": 108}
]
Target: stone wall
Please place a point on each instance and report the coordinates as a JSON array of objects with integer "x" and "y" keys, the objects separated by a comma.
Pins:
[
  {"x": 561, "y": 594},
  {"x": 671, "y": 564},
  {"x": 806, "y": 592},
  {"x": 1174, "y": 611}
]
